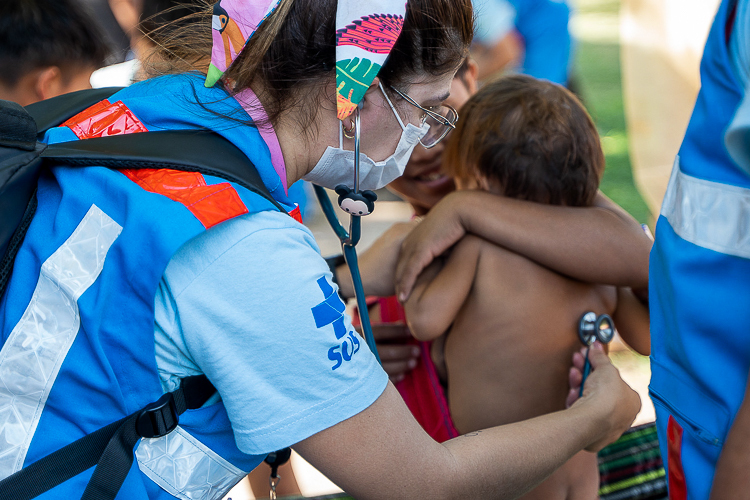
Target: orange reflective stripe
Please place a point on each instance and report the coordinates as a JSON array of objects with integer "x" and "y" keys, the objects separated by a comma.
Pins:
[
  {"x": 296, "y": 214},
  {"x": 677, "y": 487},
  {"x": 209, "y": 204},
  {"x": 104, "y": 119}
]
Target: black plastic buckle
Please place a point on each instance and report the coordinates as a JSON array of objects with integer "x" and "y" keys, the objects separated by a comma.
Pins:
[{"x": 158, "y": 419}]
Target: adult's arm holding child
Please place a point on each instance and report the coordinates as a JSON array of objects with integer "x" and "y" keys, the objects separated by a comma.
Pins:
[{"x": 615, "y": 246}]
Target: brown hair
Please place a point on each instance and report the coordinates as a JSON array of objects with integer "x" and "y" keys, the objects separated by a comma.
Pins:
[
  {"x": 533, "y": 138},
  {"x": 292, "y": 55}
]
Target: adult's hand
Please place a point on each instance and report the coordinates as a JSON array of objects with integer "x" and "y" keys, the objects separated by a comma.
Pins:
[
  {"x": 597, "y": 244},
  {"x": 397, "y": 356},
  {"x": 617, "y": 403},
  {"x": 377, "y": 264},
  {"x": 389, "y": 456},
  {"x": 438, "y": 231}
]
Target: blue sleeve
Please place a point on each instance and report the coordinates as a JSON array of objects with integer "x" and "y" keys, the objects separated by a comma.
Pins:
[
  {"x": 250, "y": 303},
  {"x": 543, "y": 25}
]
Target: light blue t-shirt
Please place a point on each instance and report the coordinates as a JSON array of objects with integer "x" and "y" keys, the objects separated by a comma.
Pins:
[{"x": 250, "y": 303}]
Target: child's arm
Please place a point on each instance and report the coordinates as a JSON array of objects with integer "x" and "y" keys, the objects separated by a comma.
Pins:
[
  {"x": 632, "y": 321},
  {"x": 440, "y": 293}
]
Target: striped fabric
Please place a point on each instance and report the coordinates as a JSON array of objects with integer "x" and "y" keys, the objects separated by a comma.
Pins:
[{"x": 631, "y": 468}]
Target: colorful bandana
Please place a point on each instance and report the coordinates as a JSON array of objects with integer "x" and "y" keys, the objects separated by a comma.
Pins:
[
  {"x": 366, "y": 31},
  {"x": 234, "y": 22}
]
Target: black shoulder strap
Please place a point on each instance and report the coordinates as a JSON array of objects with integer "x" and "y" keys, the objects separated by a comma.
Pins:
[
  {"x": 109, "y": 448},
  {"x": 189, "y": 150},
  {"x": 52, "y": 112}
]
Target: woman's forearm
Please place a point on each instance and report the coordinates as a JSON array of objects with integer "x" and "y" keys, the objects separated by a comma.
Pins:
[{"x": 382, "y": 453}]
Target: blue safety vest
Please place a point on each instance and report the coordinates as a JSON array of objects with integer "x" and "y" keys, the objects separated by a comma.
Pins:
[
  {"x": 77, "y": 320},
  {"x": 700, "y": 282}
]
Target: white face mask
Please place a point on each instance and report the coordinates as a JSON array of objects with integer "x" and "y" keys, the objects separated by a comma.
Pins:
[{"x": 336, "y": 166}]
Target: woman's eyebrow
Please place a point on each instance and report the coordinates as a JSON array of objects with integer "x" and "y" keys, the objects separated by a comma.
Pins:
[{"x": 438, "y": 100}]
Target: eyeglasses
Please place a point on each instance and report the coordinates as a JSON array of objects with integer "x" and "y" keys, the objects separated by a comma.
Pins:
[{"x": 441, "y": 119}]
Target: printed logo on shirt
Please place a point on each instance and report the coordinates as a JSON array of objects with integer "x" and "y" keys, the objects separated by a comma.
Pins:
[{"x": 331, "y": 312}]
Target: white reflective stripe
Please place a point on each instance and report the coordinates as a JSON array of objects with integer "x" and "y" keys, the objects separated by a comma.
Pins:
[
  {"x": 185, "y": 467},
  {"x": 37, "y": 346},
  {"x": 708, "y": 214}
]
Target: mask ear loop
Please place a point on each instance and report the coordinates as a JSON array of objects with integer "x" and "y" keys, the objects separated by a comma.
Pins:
[{"x": 393, "y": 108}]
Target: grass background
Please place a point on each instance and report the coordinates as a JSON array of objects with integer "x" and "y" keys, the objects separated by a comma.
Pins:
[{"x": 596, "y": 27}]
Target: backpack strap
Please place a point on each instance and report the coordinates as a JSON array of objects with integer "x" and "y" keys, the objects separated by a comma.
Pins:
[
  {"x": 200, "y": 151},
  {"x": 109, "y": 448},
  {"x": 57, "y": 110}
]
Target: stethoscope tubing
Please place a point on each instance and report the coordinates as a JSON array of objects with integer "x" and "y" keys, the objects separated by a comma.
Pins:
[{"x": 349, "y": 241}]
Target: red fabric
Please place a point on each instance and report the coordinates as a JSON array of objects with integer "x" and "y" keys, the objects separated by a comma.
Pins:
[
  {"x": 296, "y": 214},
  {"x": 420, "y": 388},
  {"x": 104, "y": 119},
  {"x": 210, "y": 204},
  {"x": 425, "y": 397},
  {"x": 677, "y": 486}
]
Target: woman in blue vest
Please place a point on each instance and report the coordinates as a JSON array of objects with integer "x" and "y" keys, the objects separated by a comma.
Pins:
[
  {"x": 700, "y": 355},
  {"x": 131, "y": 281}
]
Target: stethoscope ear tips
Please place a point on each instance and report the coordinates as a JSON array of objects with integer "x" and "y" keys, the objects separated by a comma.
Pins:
[{"x": 592, "y": 328}]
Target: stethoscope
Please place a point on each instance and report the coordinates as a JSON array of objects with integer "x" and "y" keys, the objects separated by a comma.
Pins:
[
  {"x": 590, "y": 329},
  {"x": 357, "y": 204}
]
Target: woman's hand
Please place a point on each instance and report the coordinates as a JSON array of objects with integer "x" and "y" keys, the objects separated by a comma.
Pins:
[{"x": 615, "y": 402}]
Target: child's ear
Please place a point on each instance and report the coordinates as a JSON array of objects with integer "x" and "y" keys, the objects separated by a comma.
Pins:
[{"x": 48, "y": 83}]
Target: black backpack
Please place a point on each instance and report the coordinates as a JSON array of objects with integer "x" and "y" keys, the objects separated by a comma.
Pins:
[{"x": 22, "y": 159}]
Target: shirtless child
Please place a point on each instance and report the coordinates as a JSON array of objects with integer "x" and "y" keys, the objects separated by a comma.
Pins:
[{"x": 512, "y": 324}]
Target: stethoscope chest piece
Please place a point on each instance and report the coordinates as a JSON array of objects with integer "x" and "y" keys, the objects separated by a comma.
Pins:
[
  {"x": 587, "y": 328},
  {"x": 592, "y": 328}
]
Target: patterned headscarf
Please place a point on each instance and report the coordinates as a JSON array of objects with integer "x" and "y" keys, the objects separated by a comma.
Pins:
[{"x": 366, "y": 31}]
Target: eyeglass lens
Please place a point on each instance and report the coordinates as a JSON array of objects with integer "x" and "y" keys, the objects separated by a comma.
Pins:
[{"x": 438, "y": 130}]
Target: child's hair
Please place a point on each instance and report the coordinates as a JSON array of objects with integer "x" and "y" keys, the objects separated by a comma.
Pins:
[
  {"x": 39, "y": 33},
  {"x": 531, "y": 137}
]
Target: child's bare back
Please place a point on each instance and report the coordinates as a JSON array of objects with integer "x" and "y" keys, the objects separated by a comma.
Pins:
[
  {"x": 512, "y": 324},
  {"x": 508, "y": 352}
]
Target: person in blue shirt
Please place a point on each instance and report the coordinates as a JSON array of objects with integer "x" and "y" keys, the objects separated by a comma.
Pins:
[
  {"x": 130, "y": 281},
  {"x": 532, "y": 33},
  {"x": 698, "y": 280}
]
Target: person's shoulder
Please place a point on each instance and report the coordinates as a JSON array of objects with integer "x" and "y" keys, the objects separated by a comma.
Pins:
[{"x": 248, "y": 241}]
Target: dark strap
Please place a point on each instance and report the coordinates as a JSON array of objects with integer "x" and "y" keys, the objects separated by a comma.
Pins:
[
  {"x": 52, "y": 112},
  {"x": 200, "y": 151},
  {"x": 109, "y": 448}
]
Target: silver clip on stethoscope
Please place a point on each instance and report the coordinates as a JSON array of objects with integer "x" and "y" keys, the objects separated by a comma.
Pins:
[
  {"x": 590, "y": 329},
  {"x": 356, "y": 204}
]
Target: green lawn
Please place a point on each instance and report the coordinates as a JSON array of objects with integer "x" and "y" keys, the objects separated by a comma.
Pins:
[{"x": 597, "y": 70}]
